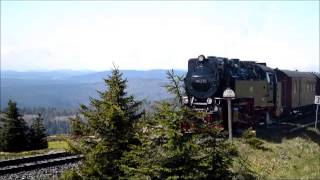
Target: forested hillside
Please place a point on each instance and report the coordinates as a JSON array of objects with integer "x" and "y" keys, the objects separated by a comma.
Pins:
[
  {"x": 58, "y": 94},
  {"x": 68, "y": 89}
]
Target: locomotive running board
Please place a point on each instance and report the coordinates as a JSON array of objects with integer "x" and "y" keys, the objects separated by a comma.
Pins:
[{"x": 204, "y": 103}]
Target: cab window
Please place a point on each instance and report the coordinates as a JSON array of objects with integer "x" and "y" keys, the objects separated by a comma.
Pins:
[{"x": 270, "y": 78}]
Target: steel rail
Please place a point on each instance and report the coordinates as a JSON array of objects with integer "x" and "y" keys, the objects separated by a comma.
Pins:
[{"x": 35, "y": 162}]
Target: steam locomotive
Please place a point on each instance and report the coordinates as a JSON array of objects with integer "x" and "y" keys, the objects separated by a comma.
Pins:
[{"x": 261, "y": 92}]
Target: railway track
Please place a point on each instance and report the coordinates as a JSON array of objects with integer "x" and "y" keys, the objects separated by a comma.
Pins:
[{"x": 34, "y": 162}]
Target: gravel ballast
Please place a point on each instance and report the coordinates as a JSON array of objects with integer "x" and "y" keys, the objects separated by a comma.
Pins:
[{"x": 42, "y": 173}]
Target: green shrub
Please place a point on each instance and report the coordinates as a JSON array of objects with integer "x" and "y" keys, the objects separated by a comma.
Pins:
[{"x": 249, "y": 137}]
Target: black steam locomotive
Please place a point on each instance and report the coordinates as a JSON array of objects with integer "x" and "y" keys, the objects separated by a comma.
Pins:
[{"x": 261, "y": 92}]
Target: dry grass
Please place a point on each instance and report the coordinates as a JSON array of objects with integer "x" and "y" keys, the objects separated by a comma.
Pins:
[
  {"x": 63, "y": 145},
  {"x": 296, "y": 158}
]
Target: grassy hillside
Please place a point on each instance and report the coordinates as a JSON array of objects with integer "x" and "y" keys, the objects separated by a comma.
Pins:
[{"x": 295, "y": 158}]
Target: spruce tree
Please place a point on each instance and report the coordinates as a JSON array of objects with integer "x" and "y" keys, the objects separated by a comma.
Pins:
[
  {"x": 1, "y": 132},
  {"x": 14, "y": 132},
  {"x": 175, "y": 85},
  {"x": 77, "y": 127},
  {"x": 109, "y": 129},
  {"x": 38, "y": 134},
  {"x": 165, "y": 152}
]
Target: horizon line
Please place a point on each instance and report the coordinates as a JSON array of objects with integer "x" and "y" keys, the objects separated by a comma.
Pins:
[{"x": 79, "y": 70}]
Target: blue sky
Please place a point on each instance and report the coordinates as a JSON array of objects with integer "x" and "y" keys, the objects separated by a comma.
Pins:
[{"x": 142, "y": 35}]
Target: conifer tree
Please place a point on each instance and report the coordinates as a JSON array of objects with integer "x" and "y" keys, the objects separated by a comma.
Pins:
[
  {"x": 38, "y": 134},
  {"x": 109, "y": 125},
  {"x": 175, "y": 85},
  {"x": 1, "y": 132},
  {"x": 77, "y": 126},
  {"x": 166, "y": 152},
  {"x": 14, "y": 131}
]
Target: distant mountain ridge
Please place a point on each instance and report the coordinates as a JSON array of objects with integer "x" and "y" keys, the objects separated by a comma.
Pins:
[
  {"x": 65, "y": 89},
  {"x": 57, "y": 74},
  {"x": 69, "y": 75}
]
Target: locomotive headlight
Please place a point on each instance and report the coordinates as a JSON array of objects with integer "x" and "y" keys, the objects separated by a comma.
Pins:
[
  {"x": 201, "y": 58},
  {"x": 209, "y": 101},
  {"x": 185, "y": 99}
]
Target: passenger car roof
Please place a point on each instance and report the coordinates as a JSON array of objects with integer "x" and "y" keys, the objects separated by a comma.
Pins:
[{"x": 298, "y": 74}]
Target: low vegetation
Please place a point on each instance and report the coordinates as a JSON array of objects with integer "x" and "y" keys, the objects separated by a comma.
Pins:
[
  {"x": 296, "y": 158},
  {"x": 58, "y": 145}
]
